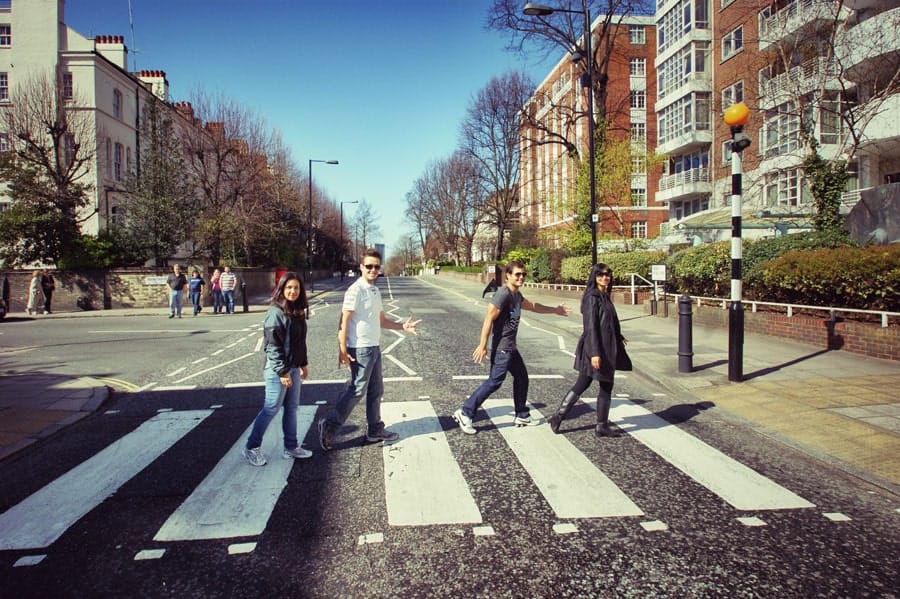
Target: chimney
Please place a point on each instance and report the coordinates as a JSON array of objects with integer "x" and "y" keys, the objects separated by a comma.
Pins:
[
  {"x": 159, "y": 86},
  {"x": 112, "y": 48}
]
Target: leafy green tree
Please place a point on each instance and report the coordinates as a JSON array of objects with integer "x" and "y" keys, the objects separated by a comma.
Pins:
[{"x": 159, "y": 198}]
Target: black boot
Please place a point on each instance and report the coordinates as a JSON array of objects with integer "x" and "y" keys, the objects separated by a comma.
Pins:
[
  {"x": 603, "y": 428},
  {"x": 556, "y": 419}
]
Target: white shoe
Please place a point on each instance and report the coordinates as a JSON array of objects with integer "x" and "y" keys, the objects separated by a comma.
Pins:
[
  {"x": 254, "y": 456},
  {"x": 525, "y": 419},
  {"x": 298, "y": 452},
  {"x": 465, "y": 423}
]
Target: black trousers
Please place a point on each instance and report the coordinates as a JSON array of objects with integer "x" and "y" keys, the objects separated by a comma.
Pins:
[{"x": 584, "y": 381}]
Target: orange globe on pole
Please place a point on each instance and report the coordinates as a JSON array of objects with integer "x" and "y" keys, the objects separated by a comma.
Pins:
[{"x": 737, "y": 115}]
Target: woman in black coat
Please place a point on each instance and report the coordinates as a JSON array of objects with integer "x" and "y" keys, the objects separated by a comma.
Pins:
[{"x": 600, "y": 351}]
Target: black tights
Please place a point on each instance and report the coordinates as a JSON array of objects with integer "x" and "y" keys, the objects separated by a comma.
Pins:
[{"x": 584, "y": 381}]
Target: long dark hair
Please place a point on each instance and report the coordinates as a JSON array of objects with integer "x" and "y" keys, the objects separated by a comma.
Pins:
[
  {"x": 592, "y": 278},
  {"x": 295, "y": 309}
]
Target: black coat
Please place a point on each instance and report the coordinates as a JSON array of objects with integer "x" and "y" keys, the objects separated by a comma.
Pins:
[{"x": 601, "y": 336}]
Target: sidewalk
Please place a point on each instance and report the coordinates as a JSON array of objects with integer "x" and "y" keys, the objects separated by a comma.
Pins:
[{"x": 839, "y": 407}]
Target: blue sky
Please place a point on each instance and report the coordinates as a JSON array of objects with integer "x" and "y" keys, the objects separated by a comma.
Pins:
[{"x": 379, "y": 85}]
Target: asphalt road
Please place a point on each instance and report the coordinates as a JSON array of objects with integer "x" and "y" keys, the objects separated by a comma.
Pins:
[{"x": 149, "y": 497}]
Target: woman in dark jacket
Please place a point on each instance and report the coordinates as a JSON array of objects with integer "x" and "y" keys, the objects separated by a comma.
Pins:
[
  {"x": 284, "y": 329},
  {"x": 600, "y": 351}
]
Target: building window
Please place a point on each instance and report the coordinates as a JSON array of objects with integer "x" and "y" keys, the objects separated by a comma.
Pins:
[
  {"x": 733, "y": 94},
  {"x": 783, "y": 188},
  {"x": 638, "y": 67},
  {"x": 117, "y": 216},
  {"x": 128, "y": 161},
  {"x": 69, "y": 149},
  {"x": 5, "y": 36},
  {"x": 638, "y": 98},
  {"x": 638, "y": 165},
  {"x": 108, "y": 158},
  {"x": 117, "y": 162},
  {"x": 687, "y": 64},
  {"x": 781, "y": 131},
  {"x": 117, "y": 104},
  {"x": 638, "y": 132},
  {"x": 638, "y": 196},
  {"x": 68, "y": 86},
  {"x": 637, "y": 35},
  {"x": 726, "y": 151},
  {"x": 732, "y": 42},
  {"x": 686, "y": 115},
  {"x": 4, "y": 142},
  {"x": 4, "y": 86},
  {"x": 639, "y": 229}
]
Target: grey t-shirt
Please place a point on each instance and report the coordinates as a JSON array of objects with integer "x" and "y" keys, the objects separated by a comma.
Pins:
[{"x": 507, "y": 324}]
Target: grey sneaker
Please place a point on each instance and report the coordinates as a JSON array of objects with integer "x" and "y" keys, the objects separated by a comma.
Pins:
[
  {"x": 254, "y": 456},
  {"x": 381, "y": 434},
  {"x": 525, "y": 419},
  {"x": 297, "y": 452},
  {"x": 465, "y": 423},
  {"x": 326, "y": 435}
]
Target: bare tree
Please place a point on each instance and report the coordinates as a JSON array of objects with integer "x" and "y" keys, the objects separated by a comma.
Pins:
[
  {"x": 490, "y": 136},
  {"x": 365, "y": 225},
  {"x": 54, "y": 146}
]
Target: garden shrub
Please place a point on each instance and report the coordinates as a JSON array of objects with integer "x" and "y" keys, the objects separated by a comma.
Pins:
[
  {"x": 863, "y": 278},
  {"x": 577, "y": 268},
  {"x": 702, "y": 270},
  {"x": 763, "y": 250}
]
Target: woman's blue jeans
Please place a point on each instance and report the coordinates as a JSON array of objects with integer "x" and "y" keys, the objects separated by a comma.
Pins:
[
  {"x": 365, "y": 381},
  {"x": 218, "y": 301},
  {"x": 501, "y": 363},
  {"x": 276, "y": 396},
  {"x": 195, "y": 299}
]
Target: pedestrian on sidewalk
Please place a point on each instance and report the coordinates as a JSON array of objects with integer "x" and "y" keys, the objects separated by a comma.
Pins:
[
  {"x": 177, "y": 284},
  {"x": 503, "y": 314},
  {"x": 48, "y": 285},
  {"x": 228, "y": 281},
  {"x": 600, "y": 351},
  {"x": 284, "y": 330},
  {"x": 359, "y": 335},
  {"x": 216, "y": 287},
  {"x": 35, "y": 294},
  {"x": 195, "y": 286}
]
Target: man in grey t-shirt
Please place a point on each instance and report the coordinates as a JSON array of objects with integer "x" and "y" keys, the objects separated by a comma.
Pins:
[{"x": 502, "y": 319}]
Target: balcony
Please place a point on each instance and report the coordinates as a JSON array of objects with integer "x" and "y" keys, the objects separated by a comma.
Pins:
[
  {"x": 814, "y": 74},
  {"x": 690, "y": 183},
  {"x": 794, "y": 18},
  {"x": 871, "y": 47},
  {"x": 882, "y": 134},
  {"x": 685, "y": 142}
]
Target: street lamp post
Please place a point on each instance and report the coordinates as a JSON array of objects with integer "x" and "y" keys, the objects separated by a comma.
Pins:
[
  {"x": 736, "y": 117},
  {"x": 309, "y": 278},
  {"x": 587, "y": 81},
  {"x": 341, "y": 247}
]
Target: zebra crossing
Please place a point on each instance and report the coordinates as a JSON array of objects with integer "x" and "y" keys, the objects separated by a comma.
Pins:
[{"x": 423, "y": 482}]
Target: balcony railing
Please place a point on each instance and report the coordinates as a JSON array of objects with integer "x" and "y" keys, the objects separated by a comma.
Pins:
[
  {"x": 799, "y": 79},
  {"x": 790, "y": 17},
  {"x": 694, "y": 175}
]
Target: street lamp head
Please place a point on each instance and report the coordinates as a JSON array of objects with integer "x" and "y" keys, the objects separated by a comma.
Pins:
[
  {"x": 533, "y": 9},
  {"x": 737, "y": 115},
  {"x": 331, "y": 162}
]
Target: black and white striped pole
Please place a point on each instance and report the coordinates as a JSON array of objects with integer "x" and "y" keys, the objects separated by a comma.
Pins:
[{"x": 736, "y": 117}]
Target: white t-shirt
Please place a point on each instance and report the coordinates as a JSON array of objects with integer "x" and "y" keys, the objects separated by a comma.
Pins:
[{"x": 364, "y": 301}]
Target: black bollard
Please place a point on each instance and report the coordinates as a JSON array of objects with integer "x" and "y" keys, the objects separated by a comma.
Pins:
[
  {"x": 685, "y": 340},
  {"x": 244, "y": 295}
]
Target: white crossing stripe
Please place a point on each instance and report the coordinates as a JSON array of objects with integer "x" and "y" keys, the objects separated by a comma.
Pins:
[
  {"x": 43, "y": 517},
  {"x": 572, "y": 485},
  {"x": 237, "y": 499},
  {"x": 739, "y": 485},
  {"x": 422, "y": 479}
]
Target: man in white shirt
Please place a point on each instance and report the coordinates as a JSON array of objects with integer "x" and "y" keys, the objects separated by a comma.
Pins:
[
  {"x": 228, "y": 282},
  {"x": 362, "y": 318}
]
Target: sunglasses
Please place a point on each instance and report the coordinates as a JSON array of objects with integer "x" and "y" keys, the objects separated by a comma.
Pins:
[
  {"x": 605, "y": 273},
  {"x": 518, "y": 274},
  {"x": 371, "y": 266}
]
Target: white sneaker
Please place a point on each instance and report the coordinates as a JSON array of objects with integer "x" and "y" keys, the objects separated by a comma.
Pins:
[
  {"x": 254, "y": 456},
  {"x": 525, "y": 419},
  {"x": 465, "y": 423},
  {"x": 298, "y": 452}
]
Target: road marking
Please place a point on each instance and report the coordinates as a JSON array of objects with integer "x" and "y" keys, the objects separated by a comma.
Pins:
[
  {"x": 119, "y": 383},
  {"x": 236, "y": 499},
  {"x": 198, "y": 360},
  {"x": 175, "y": 387},
  {"x": 44, "y": 516},
  {"x": 392, "y": 346},
  {"x": 742, "y": 487},
  {"x": 422, "y": 480},
  {"x": 481, "y": 377},
  {"x": 572, "y": 485},
  {"x": 211, "y": 368},
  {"x": 401, "y": 379},
  {"x": 242, "y": 385},
  {"x": 177, "y": 372},
  {"x": 401, "y": 365}
]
